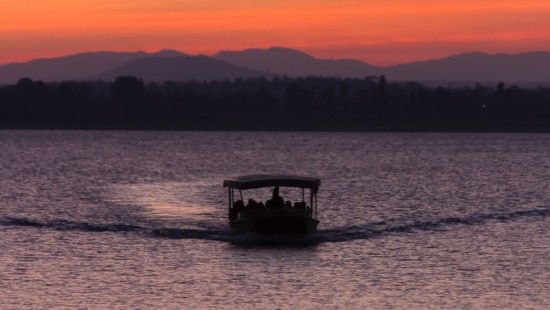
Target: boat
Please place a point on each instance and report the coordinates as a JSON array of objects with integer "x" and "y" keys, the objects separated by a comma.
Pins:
[{"x": 275, "y": 216}]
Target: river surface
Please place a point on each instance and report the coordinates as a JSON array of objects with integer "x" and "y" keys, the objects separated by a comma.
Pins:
[{"x": 137, "y": 220}]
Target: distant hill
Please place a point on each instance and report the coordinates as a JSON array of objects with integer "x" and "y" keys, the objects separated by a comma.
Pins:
[
  {"x": 477, "y": 67},
  {"x": 522, "y": 68},
  {"x": 284, "y": 61},
  {"x": 201, "y": 68},
  {"x": 470, "y": 67},
  {"x": 73, "y": 67}
]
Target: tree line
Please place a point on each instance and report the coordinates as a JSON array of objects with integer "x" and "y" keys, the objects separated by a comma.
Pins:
[{"x": 280, "y": 103}]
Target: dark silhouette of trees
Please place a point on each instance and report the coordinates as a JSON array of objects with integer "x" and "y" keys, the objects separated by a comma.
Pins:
[
  {"x": 299, "y": 100},
  {"x": 282, "y": 103},
  {"x": 127, "y": 89}
]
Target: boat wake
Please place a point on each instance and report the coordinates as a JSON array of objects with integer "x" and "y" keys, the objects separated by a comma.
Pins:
[
  {"x": 172, "y": 233},
  {"x": 357, "y": 232},
  {"x": 379, "y": 229},
  {"x": 64, "y": 225}
]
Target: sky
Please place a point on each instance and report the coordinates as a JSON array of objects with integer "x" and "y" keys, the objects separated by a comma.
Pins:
[{"x": 382, "y": 32}]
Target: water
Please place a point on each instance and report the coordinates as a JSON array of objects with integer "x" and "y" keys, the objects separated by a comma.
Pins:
[{"x": 103, "y": 219}]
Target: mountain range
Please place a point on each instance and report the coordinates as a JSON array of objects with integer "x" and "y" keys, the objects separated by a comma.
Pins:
[
  {"x": 182, "y": 68},
  {"x": 284, "y": 61},
  {"x": 170, "y": 65},
  {"x": 74, "y": 67}
]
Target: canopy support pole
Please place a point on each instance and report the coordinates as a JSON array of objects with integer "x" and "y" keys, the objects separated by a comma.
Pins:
[
  {"x": 311, "y": 201},
  {"x": 315, "y": 196},
  {"x": 229, "y": 190}
]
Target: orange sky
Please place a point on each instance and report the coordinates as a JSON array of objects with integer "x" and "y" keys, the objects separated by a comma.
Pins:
[{"x": 379, "y": 32}]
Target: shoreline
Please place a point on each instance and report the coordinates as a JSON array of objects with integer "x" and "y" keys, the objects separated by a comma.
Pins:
[{"x": 271, "y": 128}]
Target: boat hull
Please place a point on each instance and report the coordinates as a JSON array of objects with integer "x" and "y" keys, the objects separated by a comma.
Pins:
[{"x": 275, "y": 225}]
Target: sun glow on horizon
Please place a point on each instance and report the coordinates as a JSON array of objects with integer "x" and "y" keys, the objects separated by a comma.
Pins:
[{"x": 380, "y": 33}]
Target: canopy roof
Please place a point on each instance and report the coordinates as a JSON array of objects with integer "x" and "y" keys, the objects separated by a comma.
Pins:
[{"x": 268, "y": 180}]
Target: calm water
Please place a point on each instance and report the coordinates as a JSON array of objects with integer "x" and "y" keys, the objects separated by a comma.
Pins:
[{"x": 408, "y": 220}]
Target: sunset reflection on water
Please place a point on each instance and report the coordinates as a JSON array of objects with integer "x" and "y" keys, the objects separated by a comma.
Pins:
[{"x": 165, "y": 200}]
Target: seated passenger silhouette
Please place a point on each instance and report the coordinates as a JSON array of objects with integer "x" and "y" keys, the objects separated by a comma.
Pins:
[
  {"x": 252, "y": 203},
  {"x": 238, "y": 206},
  {"x": 276, "y": 201}
]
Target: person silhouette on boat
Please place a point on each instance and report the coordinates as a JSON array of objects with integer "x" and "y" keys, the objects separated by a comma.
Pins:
[
  {"x": 238, "y": 206},
  {"x": 276, "y": 201}
]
